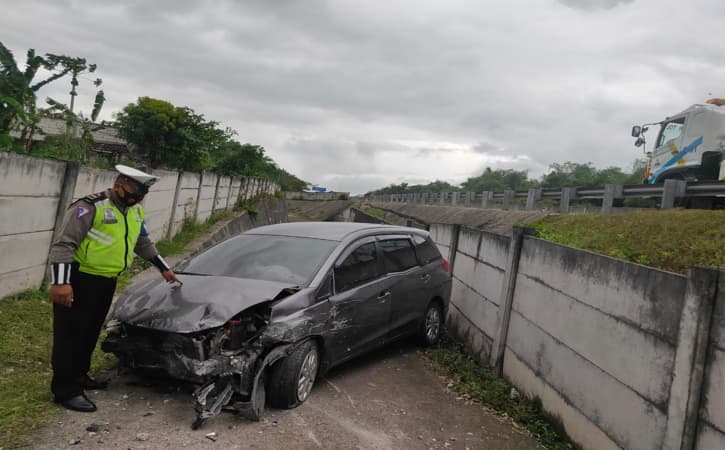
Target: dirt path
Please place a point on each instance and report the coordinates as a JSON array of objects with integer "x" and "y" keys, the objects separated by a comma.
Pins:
[{"x": 387, "y": 399}]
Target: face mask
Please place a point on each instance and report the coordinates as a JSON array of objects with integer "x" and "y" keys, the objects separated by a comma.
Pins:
[{"x": 129, "y": 197}]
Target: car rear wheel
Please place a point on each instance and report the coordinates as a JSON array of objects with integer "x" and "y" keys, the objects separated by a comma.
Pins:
[
  {"x": 292, "y": 378},
  {"x": 432, "y": 325}
]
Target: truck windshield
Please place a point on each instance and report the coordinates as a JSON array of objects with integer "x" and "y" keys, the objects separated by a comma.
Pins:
[{"x": 671, "y": 130}]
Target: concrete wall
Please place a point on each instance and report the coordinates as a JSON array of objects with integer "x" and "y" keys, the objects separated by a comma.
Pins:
[
  {"x": 478, "y": 274},
  {"x": 711, "y": 424},
  {"x": 188, "y": 193},
  {"x": 207, "y": 190},
  {"x": 29, "y": 195},
  {"x": 619, "y": 352},
  {"x": 34, "y": 194}
]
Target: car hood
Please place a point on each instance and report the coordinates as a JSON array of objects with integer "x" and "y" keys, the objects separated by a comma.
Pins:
[{"x": 202, "y": 302}]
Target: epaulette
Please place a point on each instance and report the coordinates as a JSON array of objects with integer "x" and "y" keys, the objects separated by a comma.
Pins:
[
  {"x": 95, "y": 198},
  {"x": 92, "y": 199}
]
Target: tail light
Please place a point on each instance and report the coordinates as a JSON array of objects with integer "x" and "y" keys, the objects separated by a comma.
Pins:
[{"x": 444, "y": 264}]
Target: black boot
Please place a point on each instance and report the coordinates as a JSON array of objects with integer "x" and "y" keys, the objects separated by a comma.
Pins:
[{"x": 79, "y": 403}]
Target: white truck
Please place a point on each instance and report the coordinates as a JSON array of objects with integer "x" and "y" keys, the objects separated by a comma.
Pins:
[{"x": 690, "y": 145}]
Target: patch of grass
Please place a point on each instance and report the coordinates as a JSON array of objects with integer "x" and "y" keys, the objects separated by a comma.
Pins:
[
  {"x": 471, "y": 380},
  {"x": 26, "y": 321},
  {"x": 672, "y": 240}
]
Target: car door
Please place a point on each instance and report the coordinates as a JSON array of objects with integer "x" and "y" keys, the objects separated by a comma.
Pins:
[
  {"x": 360, "y": 304},
  {"x": 406, "y": 280}
]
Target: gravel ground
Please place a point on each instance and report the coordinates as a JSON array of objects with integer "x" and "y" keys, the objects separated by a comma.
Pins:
[{"x": 387, "y": 399}]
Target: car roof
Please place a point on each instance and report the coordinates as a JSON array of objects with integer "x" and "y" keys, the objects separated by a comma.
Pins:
[{"x": 332, "y": 231}]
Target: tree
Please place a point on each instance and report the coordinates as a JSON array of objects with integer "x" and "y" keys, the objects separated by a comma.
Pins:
[
  {"x": 499, "y": 180},
  {"x": 18, "y": 88}
]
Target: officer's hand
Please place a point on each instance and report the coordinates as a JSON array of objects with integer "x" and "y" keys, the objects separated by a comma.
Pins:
[
  {"x": 62, "y": 294},
  {"x": 170, "y": 277}
]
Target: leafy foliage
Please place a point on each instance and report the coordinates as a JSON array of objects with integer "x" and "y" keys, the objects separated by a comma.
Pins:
[{"x": 499, "y": 180}]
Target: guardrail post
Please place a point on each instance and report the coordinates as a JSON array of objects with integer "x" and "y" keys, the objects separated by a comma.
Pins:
[
  {"x": 454, "y": 198},
  {"x": 567, "y": 194},
  {"x": 508, "y": 199},
  {"x": 673, "y": 190},
  {"x": 443, "y": 196},
  {"x": 506, "y": 298},
  {"x": 486, "y": 199},
  {"x": 611, "y": 192},
  {"x": 532, "y": 197}
]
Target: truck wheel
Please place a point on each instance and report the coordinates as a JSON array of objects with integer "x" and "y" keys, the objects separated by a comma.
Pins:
[
  {"x": 432, "y": 325},
  {"x": 292, "y": 378}
]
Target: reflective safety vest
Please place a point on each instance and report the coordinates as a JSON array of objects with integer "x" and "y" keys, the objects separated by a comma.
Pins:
[{"x": 107, "y": 249}]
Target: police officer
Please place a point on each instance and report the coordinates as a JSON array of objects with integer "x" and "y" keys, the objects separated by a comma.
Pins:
[{"x": 99, "y": 235}]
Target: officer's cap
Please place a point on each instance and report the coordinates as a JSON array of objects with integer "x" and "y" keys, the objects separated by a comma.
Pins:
[{"x": 137, "y": 175}]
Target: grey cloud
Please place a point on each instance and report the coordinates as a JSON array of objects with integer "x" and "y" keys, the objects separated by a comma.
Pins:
[{"x": 591, "y": 5}]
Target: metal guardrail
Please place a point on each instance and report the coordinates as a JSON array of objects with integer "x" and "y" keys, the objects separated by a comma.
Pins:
[{"x": 670, "y": 193}]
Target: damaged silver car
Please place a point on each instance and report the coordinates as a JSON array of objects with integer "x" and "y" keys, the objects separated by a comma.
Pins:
[{"x": 262, "y": 314}]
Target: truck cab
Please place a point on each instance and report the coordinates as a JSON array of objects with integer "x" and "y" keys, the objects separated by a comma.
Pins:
[{"x": 689, "y": 145}]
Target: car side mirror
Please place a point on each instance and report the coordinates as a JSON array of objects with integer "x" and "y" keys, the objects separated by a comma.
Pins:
[{"x": 636, "y": 131}]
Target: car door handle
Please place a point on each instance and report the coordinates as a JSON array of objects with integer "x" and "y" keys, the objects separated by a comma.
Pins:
[
  {"x": 383, "y": 297},
  {"x": 425, "y": 277}
]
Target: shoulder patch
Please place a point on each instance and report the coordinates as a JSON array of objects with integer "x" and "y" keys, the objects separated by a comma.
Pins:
[{"x": 81, "y": 211}]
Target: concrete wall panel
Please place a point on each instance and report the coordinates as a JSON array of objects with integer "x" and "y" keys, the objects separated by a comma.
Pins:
[
  {"x": 578, "y": 426},
  {"x": 479, "y": 311},
  {"x": 21, "y": 279},
  {"x": 494, "y": 249},
  {"x": 206, "y": 196},
  {"x": 159, "y": 202},
  {"x": 635, "y": 358},
  {"x": 91, "y": 181},
  {"x": 30, "y": 177},
  {"x": 628, "y": 419},
  {"x": 468, "y": 241},
  {"x": 20, "y": 215},
  {"x": 222, "y": 193},
  {"x": 480, "y": 277},
  {"x": 186, "y": 202},
  {"x": 709, "y": 438},
  {"x": 648, "y": 298}
]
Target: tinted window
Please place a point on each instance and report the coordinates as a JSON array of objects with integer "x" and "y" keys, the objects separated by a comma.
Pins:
[
  {"x": 359, "y": 267},
  {"x": 398, "y": 255},
  {"x": 261, "y": 257},
  {"x": 426, "y": 250}
]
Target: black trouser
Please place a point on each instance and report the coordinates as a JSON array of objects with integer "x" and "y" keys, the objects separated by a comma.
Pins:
[{"x": 76, "y": 330}]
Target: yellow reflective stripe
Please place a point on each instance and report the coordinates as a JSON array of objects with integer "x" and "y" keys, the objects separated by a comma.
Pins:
[{"x": 101, "y": 234}]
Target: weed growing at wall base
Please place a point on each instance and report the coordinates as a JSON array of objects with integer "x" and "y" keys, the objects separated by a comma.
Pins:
[{"x": 471, "y": 380}]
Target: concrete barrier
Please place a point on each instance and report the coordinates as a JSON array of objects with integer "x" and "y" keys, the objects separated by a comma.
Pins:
[
  {"x": 622, "y": 354},
  {"x": 30, "y": 190},
  {"x": 35, "y": 193}
]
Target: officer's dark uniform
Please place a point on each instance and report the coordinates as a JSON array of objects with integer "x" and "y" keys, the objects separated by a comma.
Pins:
[{"x": 90, "y": 252}]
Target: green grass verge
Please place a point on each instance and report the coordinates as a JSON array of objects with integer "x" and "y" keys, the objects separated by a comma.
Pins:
[
  {"x": 471, "y": 380},
  {"x": 26, "y": 321},
  {"x": 672, "y": 240}
]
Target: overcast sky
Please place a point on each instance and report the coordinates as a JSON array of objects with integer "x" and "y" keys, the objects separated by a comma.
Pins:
[{"x": 355, "y": 95}]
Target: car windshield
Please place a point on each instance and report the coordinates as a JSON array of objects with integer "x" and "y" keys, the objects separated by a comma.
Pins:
[{"x": 264, "y": 257}]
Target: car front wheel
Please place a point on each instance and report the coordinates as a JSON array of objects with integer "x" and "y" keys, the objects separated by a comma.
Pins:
[
  {"x": 432, "y": 325},
  {"x": 292, "y": 378}
]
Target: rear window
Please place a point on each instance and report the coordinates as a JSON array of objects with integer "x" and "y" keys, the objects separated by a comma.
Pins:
[
  {"x": 398, "y": 255},
  {"x": 261, "y": 257},
  {"x": 426, "y": 250}
]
